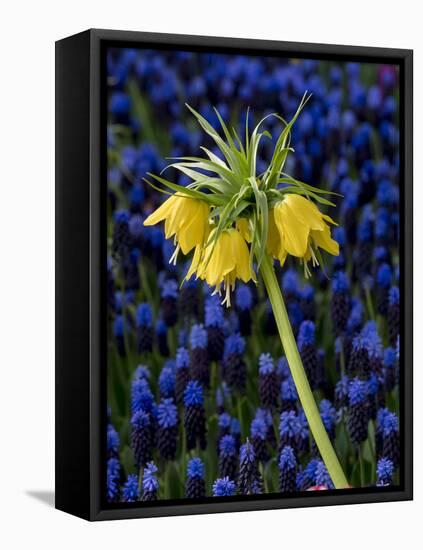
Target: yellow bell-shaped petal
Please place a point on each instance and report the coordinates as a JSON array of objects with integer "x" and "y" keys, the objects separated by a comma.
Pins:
[
  {"x": 194, "y": 228},
  {"x": 184, "y": 217},
  {"x": 274, "y": 242},
  {"x": 163, "y": 211},
  {"x": 223, "y": 261},
  {"x": 295, "y": 226},
  {"x": 304, "y": 210},
  {"x": 292, "y": 231},
  {"x": 243, "y": 227},
  {"x": 323, "y": 239},
  {"x": 242, "y": 257},
  {"x": 195, "y": 264}
]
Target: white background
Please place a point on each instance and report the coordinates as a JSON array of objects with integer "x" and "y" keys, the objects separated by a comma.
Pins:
[{"x": 28, "y": 32}]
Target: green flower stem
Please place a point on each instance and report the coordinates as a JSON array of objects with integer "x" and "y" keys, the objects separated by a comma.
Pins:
[{"x": 300, "y": 378}]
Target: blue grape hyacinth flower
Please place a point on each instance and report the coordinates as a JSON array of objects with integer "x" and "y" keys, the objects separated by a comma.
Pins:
[
  {"x": 141, "y": 436},
  {"x": 200, "y": 359},
  {"x": 113, "y": 442},
  {"x": 161, "y": 333},
  {"x": 182, "y": 374},
  {"x": 224, "y": 487},
  {"x": 193, "y": 394},
  {"x": 243, "y": 297},
  {"x": 167, "y": 428},
  {"x": 167, "y": 382},
  {"x": 234, "y": 344},
  {"x": 130, "y": 489},
  {"x": 198, "y": 337},
  {"x": 144, "y": 325},
  {"x": 142, "y": 372},
  {"x": 214, "y": 321},
  {"x": 340, "y": 304},
  {"x": 328, "y": 415},
  {"x": 287, "y": 470},
  {"x": 355, "y": 319},
  {"x": 213, "y": 310},
  {"x": 113, "y": 475},
  {"x": 384, "y": 278},
  {"x": 358, "y": 414},
  {"x": 384, "y": 472},
  {"x": 249, "y": 478},
  {"x": 195, "y": 468},
  {"x": 288, "y": 428},
  {"x": 169, "y": 294},
  {"x": 390, "y": 370},
  {"x": 306, "y": 335},
  {"x": 393, "y": 314},
  {"x": 303, "y": 433},
  {"x": 144, "y": 316},
  {"x": 150, "y": 484},
  {"x": 307, "y": 347},
  {"x": 372, "y": 340},
  {"x": 167, "y": 413},
  {"x": 282, "y": 368},
  {"x": 268, "y": 382},
  {"x": 366, "y": 352},
  {"x": 259, "y": 436},
  {"x": 141, "y": 395},
  {"x": 307, "y": 477},
  {"x": 194, "y": 418},
  {"x": 234, "y": 366},
  {"x": 341, "y": 392},
  {"x": 308, "y": 302},
  {"x": 228, "y": 457},
  {"x": 244, "y": 303},
  {"x": 195, "y": 484},
  {"x": 289, "y": 395},
  {"x": 291, "y": 284},
  {"x": 224, "y": 423},
  {"x": 390, "y": 438},
  {"x": 322, "y": 476}
]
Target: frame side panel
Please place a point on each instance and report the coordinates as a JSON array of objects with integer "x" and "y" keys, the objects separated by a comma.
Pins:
[
  {"x": 72, "y": 275},
  {"x": 407, "y": 227}
]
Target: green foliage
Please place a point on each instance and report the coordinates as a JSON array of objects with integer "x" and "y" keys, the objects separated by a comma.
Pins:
[{"x": 231, "y": 185}]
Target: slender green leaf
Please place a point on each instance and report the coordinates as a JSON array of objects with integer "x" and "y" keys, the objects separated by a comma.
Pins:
[
  {"x": 231, "y": 154},
  {"x": 210, "y": 166},
  {"x": 289, "y": 179},
  {"x": 210, "y": 198},
  {"x": 262, "y": 217},
  {"x": 306, "y": 193}
]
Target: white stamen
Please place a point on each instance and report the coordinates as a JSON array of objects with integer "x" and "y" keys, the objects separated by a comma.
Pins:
[
  {"x": 217, "y": 290},
  {"x": 174, "y": 256},
  {"x": 307, "y": 272},
  {"x": 313, "y": 257},
  {"x": 227, "y": 288}
]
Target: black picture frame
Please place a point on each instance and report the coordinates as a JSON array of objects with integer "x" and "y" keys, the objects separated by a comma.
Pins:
[{"x": 80, "y": 273}]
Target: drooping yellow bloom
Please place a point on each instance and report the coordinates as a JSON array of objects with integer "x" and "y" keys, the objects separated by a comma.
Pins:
[
  {"x": 186, "y": 219},
  {"x": 274, "y": 244},
  {"x": 297, "y": 227},
  {"x": 243, "y": 227},
  {"x": 223, "y": 262}
]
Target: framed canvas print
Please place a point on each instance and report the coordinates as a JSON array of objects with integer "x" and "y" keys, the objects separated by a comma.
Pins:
[{"x": 233, "y": 274}]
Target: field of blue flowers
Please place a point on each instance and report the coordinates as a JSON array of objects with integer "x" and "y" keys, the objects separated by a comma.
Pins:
[{"x": 200, "y": 398}]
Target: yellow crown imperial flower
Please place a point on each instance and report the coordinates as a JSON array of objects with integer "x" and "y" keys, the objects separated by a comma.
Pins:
[
  {"x": 297, "y": 227},
  {"x": 243, "y": 227},
  {"x": 223, "y": 262},
  {"x": 186, "y": 219},
  {"x": 230, "y": 214}
]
